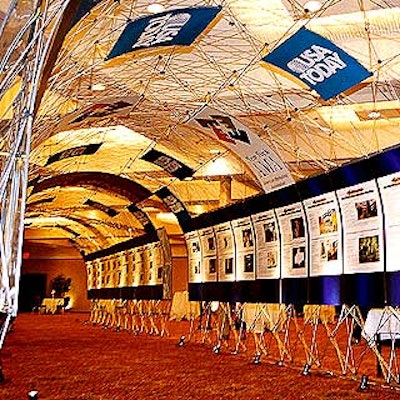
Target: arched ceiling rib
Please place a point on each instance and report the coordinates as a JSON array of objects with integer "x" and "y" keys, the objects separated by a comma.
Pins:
[{"x": 163, "y": 90}]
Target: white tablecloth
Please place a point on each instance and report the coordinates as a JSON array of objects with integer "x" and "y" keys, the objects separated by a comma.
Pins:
[
  {"x": 384, "y": 322},
  {"x": 183, "y": 308},
  {"x": 51, "y": 304},
  {"x": 261, "y": 316}
]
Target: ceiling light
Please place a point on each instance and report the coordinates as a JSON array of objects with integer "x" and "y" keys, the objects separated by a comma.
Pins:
[
  {"x": 155, "y": 8},
  {"x": 215, "y": 151},
  {"x": 312, "y": 6},
  {"x": 374, "y": 115},
  {"x": 98, "y": 87}
]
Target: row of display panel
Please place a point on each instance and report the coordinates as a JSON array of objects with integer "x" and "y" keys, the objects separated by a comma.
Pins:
[
  {"x": 365, "y": 290},
  {"x": 140, "y": 266},
  {"x": 351, "y": 230}
]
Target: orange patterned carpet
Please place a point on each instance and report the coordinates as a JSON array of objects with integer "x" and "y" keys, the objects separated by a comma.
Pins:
[{"x": 62, "y": 357}]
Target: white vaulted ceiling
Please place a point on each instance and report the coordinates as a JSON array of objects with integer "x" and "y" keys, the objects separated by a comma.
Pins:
[{"x": 222, "y": 69}]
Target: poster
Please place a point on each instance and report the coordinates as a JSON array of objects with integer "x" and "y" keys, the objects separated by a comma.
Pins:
[
  {"x": 325, "y": 235},
  {"x": 138, "y": 267},
  {"x": 155, "y": 262},
  {"x": 226, "y": 252},
  {"x": 245, "y": 249},
  {"x": 194, "y": 257},
  {"x": 362, "y": 228},
  {"x": 292, "y": 225},
  {"x": 270, "y": 170},
  {"x": 129, "y": 267},
  {"x": 208, "y": 248},
  {"x": 389, "y": 187},
  {"x": 267, "y": 245}
]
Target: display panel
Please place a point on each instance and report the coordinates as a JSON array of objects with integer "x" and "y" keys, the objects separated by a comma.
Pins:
[
  {"x": 292, "y": 225},
  {"x": 129, "y": 267},
  {"x": 267, "y": 245},
  {"x": 194, "y": 257},
  {"x": 245, "y": 249},
  {"x": 389, "y": 187},
  {"x": 325, "y": 235},
  {"x": 226, "y": 252},
  {"x": 155, "y": 257},
  {"x": 209, "y": 254},
  {"x": 138, "y": 267},
  {"x": 362, "y": 228}
]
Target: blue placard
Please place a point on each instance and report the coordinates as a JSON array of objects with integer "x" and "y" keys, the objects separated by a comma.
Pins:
[
  {"x": 318, "y": 63},
  {"x": 175, "y": 27}
]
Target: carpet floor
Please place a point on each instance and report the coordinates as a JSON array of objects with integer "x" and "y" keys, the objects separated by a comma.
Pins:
[{"x": 64, "y": 358}]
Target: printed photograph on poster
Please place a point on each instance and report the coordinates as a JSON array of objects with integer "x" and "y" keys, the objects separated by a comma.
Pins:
[
  {"x": 247, "y": 237},
  {"x": 197, "y": 267},
  {"x": 299, "y": 257},
  {"x": 248, "y": 262},
  {"x": 211, "y": 243},
  {"x": 271, "y": 259},
  {"x": 297, "y": 225},
  {"x": 366, "y": 209},
  {"x": 195, "y": 247},
  {"x": 270, "y": 233},
  {"x": 328, "y": 222},
  {"x": 228, "y": 265},
  {"x": 212, "y": 265},
  {"x": 329, "y": 250},
  {"x": 368, "y": 249}
]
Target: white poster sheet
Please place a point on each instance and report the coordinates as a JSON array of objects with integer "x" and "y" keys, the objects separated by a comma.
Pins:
[
  {"x": 155, "y": 263},
  {"x": 245, "y": 249},
  {"x": 194, "y": 257},
  {"x": 322, "y": 213},
  {"x": 292, "y": 225},
  {"x": 362, "y": 228},
  {"x": 390, "y": 191},
  {"x": 225, "y": 251},
  {"x": 267, "y": 245},
  {"x": 209, "y": 254}
]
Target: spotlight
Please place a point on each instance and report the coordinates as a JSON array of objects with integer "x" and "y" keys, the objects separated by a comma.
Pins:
[
  {"x": 33, "y": 395},
  {"x": 364, "y": 383},
  {"x": 217, "y": 349},
  {"x": 306, "y": 369},
  {"x": 181, "y": 342},
  {"x": 257, "y": 359},
  {"x": 279, "y": 363}
]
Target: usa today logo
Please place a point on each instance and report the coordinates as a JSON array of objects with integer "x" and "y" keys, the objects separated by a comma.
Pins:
[
  {"x": 162, "y": 29},
  {"x": 316, "y": 64}
]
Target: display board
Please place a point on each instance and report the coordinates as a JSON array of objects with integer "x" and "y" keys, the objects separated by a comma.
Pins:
[
  {"x": 194, "y": 257},
  {"x": 225, "y": 252},
  {"x": 389, "y": 187},
  {"x": 362, "y": 228},
  {"x": 292, "y": 225},
  {"x": 325, "y": 235},
  {"x": 129, "y": 267},
  {"x": 245, "y": 249},
  {"x": 156, "y": 261},
  {"x": 267, "y": 242},
  {"x": 209, "y": 254},
  {"x": 138, "y": 267}
]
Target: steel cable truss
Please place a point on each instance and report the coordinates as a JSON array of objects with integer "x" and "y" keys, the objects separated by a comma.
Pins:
[{"x": 27, "y": 35}]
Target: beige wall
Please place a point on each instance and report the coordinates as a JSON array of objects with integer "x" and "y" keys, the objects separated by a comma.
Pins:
[
  {"x": 179, "y": 274},
  {"x": 74, "y": 269}
]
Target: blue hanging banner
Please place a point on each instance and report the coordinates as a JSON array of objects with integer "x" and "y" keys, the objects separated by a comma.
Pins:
[
  {"x": 175, "y": 27},
  {"x": 318, "y": 63}
]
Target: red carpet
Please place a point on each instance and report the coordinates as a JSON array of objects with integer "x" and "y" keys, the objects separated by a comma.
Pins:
[{"x": 63, "y": 358}]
